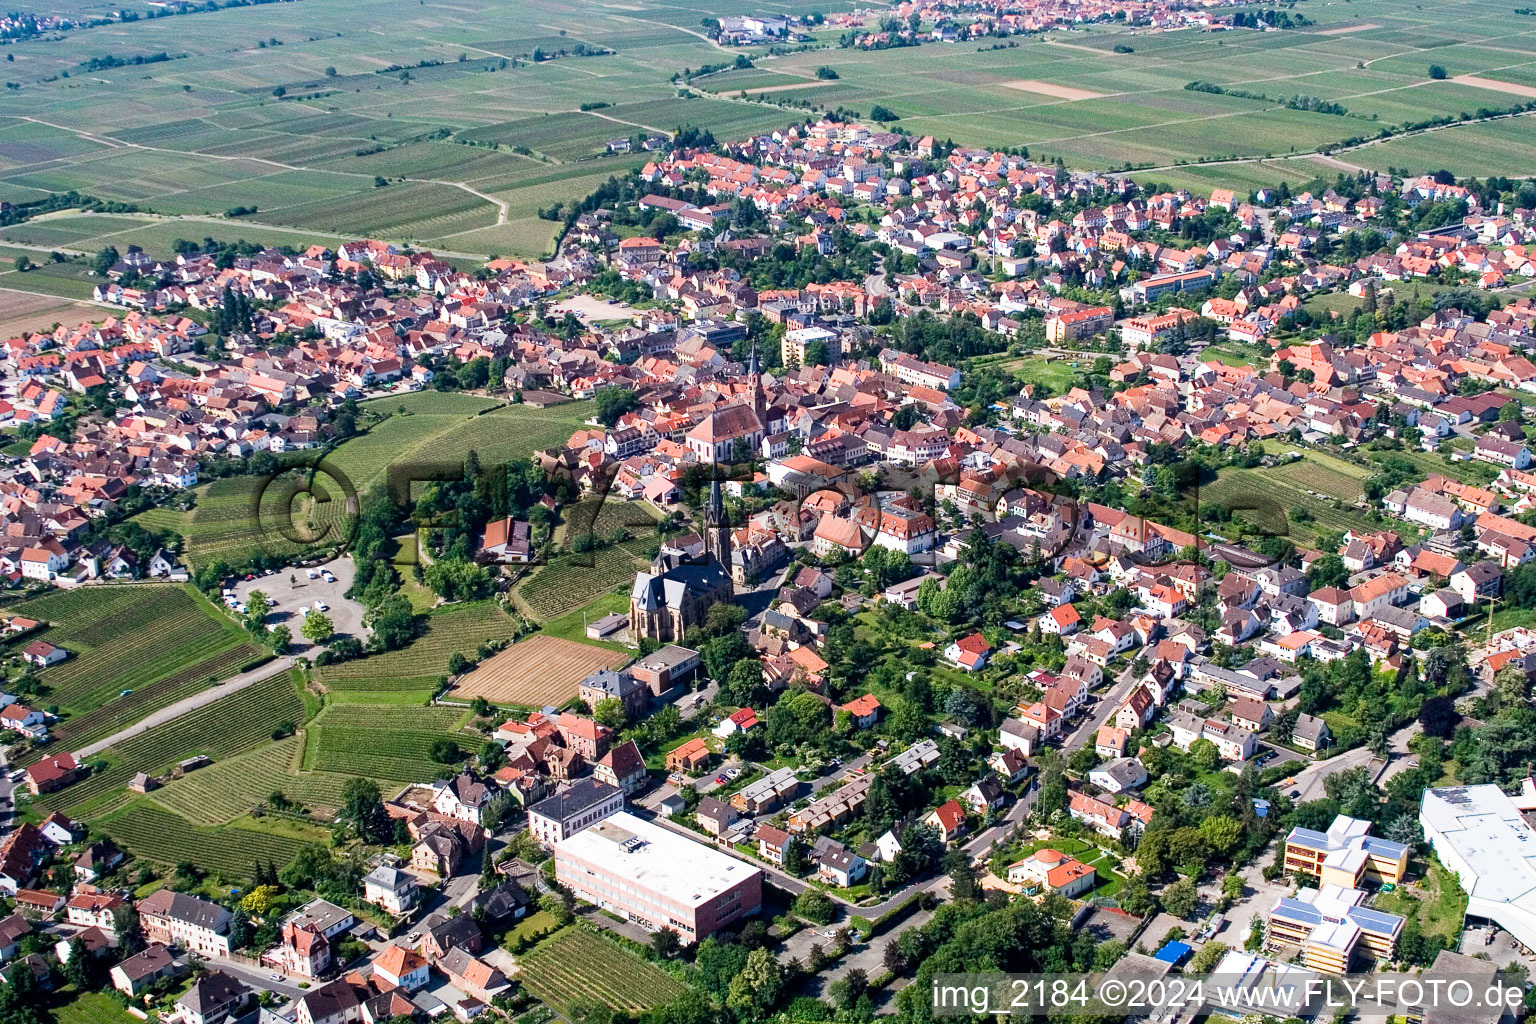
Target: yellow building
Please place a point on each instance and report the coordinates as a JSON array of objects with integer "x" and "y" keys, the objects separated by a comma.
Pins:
[
  {"x": 1329, "y": 926},
  {"x": 1345, "y": 855}
]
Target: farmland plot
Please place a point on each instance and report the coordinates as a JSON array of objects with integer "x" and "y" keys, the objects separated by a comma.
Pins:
[
  {"x": 380, "y": 742},
  {"x": 575, "y": 965},
  {"x": 457, "y": 628},
  {"x": 541, "y": 670},
  {"x": 134, "y": 648}
]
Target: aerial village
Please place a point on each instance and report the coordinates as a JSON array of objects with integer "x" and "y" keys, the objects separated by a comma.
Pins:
[{"x": 959, "y": 635}]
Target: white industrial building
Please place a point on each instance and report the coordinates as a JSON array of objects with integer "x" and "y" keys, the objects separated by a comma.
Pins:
[{"x": 1480, "y": 833}]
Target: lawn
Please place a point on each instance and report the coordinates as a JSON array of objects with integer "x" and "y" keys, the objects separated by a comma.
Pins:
[
  {"x": 575, "y": 965},
  {"x": 573, "y": 624},
  {"x": 134, "y": 649},
  {"x": 1436, "y": 899},
  {"x": 1107, "y": 881}
]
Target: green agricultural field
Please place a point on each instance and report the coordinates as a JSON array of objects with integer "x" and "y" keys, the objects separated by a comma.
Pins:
[
  {"x": 575, "y": 965},
  {"x": 134, "y": 649},
  {"x": 572, "y": 579},
  {"x": 1334, "y": 487},
  {"x": 224, "y": 521},
  {"x": 229, "y": 852},
  {"x": 379, "y": 741},
  {"x": 230, "y": 725},
  {"x": 511, "y": 432},
  {"x": 471, "y": 136},
  {"x": 229, "y": 789},
  {"x": 457, "y": 628},
  {"x": 90, "y": 1008}
]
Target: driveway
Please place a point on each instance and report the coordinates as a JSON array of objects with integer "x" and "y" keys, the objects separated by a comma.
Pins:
[{"x": 293, "y": 593}]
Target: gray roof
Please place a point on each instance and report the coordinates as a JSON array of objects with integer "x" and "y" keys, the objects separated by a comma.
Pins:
[
  {"x": 390, "y": 878},
  {"x": 614, "y": 684},
  {"x": 669, "y": 656},
  {"x": 581, "y": 795},
  {"x": 1309, "y": 727},
  {"x": 212, "y": 992},
  {"x": 667, "y": 589}
]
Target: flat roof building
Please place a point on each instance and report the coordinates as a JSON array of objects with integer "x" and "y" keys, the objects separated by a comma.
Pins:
[
  {"x": 1329, "y": 925},
  {"x": 657, "y": 878},
  {"x": 1346, "y": 854},
  {"x": 1479, "y": 833}
]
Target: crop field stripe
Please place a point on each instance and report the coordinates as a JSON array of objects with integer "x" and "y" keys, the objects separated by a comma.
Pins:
[{"x": 574, "y": 964}]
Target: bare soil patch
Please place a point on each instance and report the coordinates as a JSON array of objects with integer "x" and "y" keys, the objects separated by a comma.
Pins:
[
  {"x": 808, "y": 84},
  {"x": 593, "y": 307},
  {"x": 1060, "y": 92},
  {"x": 29, "y": 311},
  {"x": 1344, "y": 30},
  {"x": 539, "y": 671},
  {"x": 1494, "y": 85}
]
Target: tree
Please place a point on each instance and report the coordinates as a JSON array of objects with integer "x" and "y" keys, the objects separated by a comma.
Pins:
[
  {"x": 130, "y": 933},
  {"x": 666, "y": 943},
  {"x": 1436, "y": 72},
  {"x": 758, "y": 987},
  {"x": 20, "y": 1002},
  {"x": 553, "y": 904},
  {"x": 362, "y": 809},
  {"x": 279, "y": 638},
  {"x": 610, "y": 712},
  {"x": 445, "y": 751},
  {"x": 256, "y": 608},
  {"x": 1180, "y": 899},
  {"x": 613, "y": 403},
  {"x": 317, "y": 628},
  {"x": 816, "y": 906},
  {"x": 1221, "y": 832},
  {"x": 105, "y": 259},
  {"x": 1328, "y": 571},
  {"x": 77, "y": 971}
]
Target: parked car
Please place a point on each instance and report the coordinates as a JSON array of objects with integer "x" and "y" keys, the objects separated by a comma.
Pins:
[
  {"x": 313, "y": 574},
  {"x": 321, "y": 606}
]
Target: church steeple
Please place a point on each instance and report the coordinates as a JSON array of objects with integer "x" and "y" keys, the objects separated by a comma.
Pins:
[
  {"x": 759, "y": 402},
  {"x": 717, "y": 527}
]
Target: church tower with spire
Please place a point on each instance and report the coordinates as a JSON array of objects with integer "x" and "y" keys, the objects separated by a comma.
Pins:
[
  {"x": 759, "y": 401},
  {"x": 717, "y": 528}
]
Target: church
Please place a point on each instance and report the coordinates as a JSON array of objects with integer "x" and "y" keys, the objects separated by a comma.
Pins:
[{"x": 677, "y": 593}]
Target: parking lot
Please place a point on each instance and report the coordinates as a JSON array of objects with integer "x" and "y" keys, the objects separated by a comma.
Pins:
[{"x": 293, "y": 594}]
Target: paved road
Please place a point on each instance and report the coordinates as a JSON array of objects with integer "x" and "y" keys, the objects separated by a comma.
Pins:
[
  {"x": 7, "y": 794},
  {"x": 234, "y": 684},
  {"x": 1106, "y": 707},
  {"x": 256, "y": 977}
]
